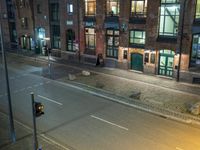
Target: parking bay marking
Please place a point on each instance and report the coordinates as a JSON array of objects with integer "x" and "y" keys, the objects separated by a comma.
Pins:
[
  {"x": 48, "y": 99},
  {"x": 108, "y": 122}
]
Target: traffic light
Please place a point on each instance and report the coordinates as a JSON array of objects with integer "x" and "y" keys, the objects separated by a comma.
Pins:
[{"x": 39, "y": 109}]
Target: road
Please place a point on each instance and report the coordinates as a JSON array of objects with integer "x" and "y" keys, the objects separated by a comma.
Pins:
[{"x": 81, "y": 121}]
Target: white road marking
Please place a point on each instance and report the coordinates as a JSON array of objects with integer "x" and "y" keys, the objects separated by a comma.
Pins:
[
  {"x": 16, "y": 91},
  {"x": 177, "y": 148},
  {"x": 48, "y": 82},
  {"x": 54, "y": 142},
  {"x": 45, "y": 138},
  {"x": 109, "y": 122},
  {"x": 29, "y": 87},
  {"x": 41, "y": 83},
  {"x": 36, "y": 85},
  {"x": 48, "y": 99}
]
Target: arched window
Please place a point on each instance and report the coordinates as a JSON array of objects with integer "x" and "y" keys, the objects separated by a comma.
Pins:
[{"x": 70, "y": 40}]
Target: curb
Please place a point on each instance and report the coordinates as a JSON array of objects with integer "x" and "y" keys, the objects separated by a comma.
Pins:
[{"x": 166, "y": 113}]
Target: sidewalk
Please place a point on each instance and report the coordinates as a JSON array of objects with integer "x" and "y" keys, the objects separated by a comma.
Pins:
[
  {"x": 24, "y": 138},
  {"x": 151, "y": 90}
]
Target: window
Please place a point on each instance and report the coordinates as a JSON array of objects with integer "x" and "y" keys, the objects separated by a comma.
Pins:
[
  {"x": 146, "y": 57},
  {"x": 197, "y": 15},
  {"x": 13, "y": 32},
  {"x": 21, "y": 3},
  {"x": 195, "y": 56},
  {"x": 112, "y": 43},
  {"x": 55, "y": 36},
  {"x": 54, "y": 10},
  {"x": 70, "y": 8},
  {"x": 169, "y": 18},
  {"x": 113, "y": 7},
  {"x": 39, "y": 9},
  {"x": 90, "y": 39},
  {"x": 41, "y": 33},
  {"x": 70, "y": 37},
  {"x": 24, "y": 22},
  {"x": 138, "y": 8},
  {"x": 11, "y": 13},
  {"x": 137, "y": 37},
  {"x": 90, "y": 7},
  {"x": 153, "y": 58}
]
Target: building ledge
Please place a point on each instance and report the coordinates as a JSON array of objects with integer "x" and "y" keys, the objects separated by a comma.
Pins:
[
  {"x": 167, "y": 39},
  {"x": 137, "y": 20}
]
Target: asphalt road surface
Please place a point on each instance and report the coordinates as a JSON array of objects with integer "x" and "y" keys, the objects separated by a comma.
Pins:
[{"x": 81, "y": 121}]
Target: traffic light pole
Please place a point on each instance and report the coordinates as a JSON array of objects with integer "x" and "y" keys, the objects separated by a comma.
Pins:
[
  {"x": 35, "y": 142},
  {"x": 12, "y": 129}
]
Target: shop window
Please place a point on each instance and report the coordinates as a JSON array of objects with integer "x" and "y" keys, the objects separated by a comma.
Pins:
[
  {"x": 70, "y": 8},
  {"x": 90, "y": 39},
  {"x": 90, "y": 7},
  {"x": 138, "y": 8},
  {"x": 70, "y": 37},
  {"x": 24, "y": 22},
  {"x": 195, "y": 56},
  {"x": 113, "y": 7},
  {"x": 153, "y": 58},
  {"x": 146, "y": 57},
  {"x": 197, "y": 14},
  {"x": 137, "y": 37},
  {"x": 169, "y": 18},
  {"x": 112, "y": 43},
  {"x": 55, "y": 36}
]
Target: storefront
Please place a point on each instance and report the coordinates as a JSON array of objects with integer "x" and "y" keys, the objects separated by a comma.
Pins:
[{"x": 166, "y": 63}]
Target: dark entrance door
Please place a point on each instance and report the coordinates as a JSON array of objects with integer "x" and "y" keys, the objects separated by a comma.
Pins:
[
  {"x": 166, "y": 62},
  {"x": 137, "y": 62}
]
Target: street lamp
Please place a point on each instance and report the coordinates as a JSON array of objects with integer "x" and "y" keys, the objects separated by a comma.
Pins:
[
  {"x": 12, "y": 130},
  {"x": 181, "y": 41}
]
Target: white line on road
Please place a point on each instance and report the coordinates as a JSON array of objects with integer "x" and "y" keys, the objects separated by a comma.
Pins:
[
  {"x": 48, "y": 99},
  {"x": 109, "y": 122},
  {"x": 177, "y": 148},
  {"x": 54, "y": 142}
]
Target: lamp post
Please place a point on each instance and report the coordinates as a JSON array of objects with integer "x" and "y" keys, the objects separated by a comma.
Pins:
[
  {"x": 181, "y": 41},
  {"x": 12, "y": 130}
]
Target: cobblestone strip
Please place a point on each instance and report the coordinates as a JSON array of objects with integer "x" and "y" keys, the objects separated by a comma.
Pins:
[{"x": 148, "y": 107}]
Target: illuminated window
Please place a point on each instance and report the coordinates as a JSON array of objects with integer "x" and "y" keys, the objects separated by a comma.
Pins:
[
  {"x": 138, "y": 8},
  {"x": 69, "y": 8},
  {"x": 197, "y": 16},
  {"x": 195, "y": 57},
  {"x": 24, "y": 22},
  {"x": 169, "y": 17},
  {"x": 90, "y": 39},
  {"x": 112, "y": 43},
  {"x": 70, "y": 39},
  {"x": 90, "y": 7},
  {"x": 113, "y": 7},
  {"x": 137, "y": 37}
]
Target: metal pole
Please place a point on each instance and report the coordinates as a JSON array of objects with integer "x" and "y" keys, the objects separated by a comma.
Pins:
[
  {"x": 35, "y": 142},
  {"x": 12, "y": 130},
  {"x": 181, "y": 41},
  {"x": 78, "y": 16}
]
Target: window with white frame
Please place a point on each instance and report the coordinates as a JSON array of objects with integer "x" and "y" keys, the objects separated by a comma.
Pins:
[
  {"x": 169, "y": 18},
  {"x": 90, "y": 39},
  {"x": 113, "y": 7},
  {"x": 138, "y": 8},
  {"x": 90, "y": 7},
  {"x": 137, "y": 37},
  {"x": 69, "y": 8}
]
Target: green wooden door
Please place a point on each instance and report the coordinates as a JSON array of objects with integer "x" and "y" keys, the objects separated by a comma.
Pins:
[
  {"x": 137, "y": 62},
  {"x": 166, "y": 64}
]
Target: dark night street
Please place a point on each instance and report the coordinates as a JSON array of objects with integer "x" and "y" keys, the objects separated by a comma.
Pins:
[{"x": 78, "y": 120}]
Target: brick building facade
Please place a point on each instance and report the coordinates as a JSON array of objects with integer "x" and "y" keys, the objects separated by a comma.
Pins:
[{"x": 140, "y": 35}]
